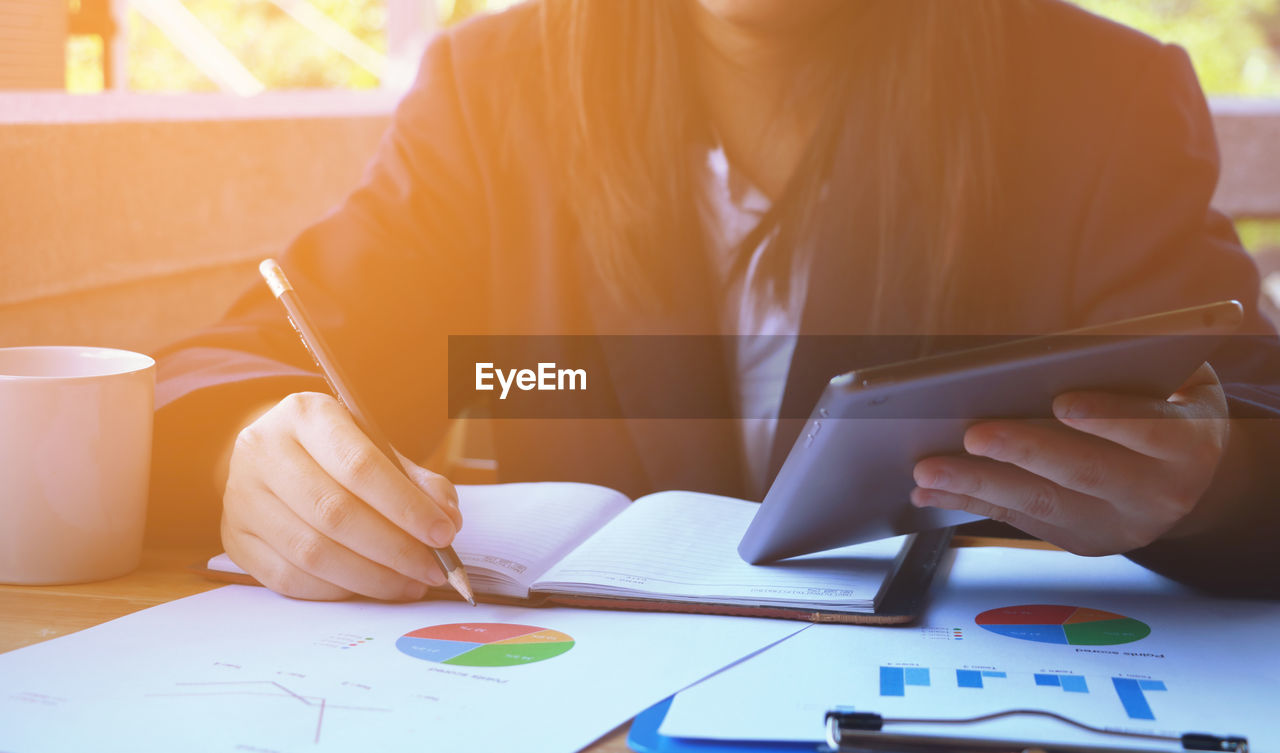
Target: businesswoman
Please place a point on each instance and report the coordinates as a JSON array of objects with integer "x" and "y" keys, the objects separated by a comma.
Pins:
[{"x": 745, "y": 167}]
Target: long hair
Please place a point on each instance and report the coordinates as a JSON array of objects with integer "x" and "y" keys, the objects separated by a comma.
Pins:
[{"x": 917, "y": 84}]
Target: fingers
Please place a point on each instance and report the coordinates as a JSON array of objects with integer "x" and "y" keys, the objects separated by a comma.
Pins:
[
  {"x": 327, "y": 507},
  {"x": 1115, "y": 473},
  {"x": 277, "y": 573},
  {"x": 1142, "y": 424},
  {"x": 313, "y": 509},
  {"x": 1073, "y": 540},
  {"x": 320, "y": 557},
  {"x": 1204, "y": 376},
  {"x": 1067, "y": 458},
  {"x": 328, "y": 434},
  {"x": 436, "y": 486},
  {"x": 1002, "y": 491},
  {"x": 921, "y": 497}
]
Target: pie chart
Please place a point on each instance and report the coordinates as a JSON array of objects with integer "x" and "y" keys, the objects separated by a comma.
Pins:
[
  {"x": 483, "y": 644},
  {"x": 1054, "y": 623}
]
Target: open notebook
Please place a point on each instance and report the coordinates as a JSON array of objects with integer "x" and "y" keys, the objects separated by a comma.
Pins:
[{"x": 584, "y": 545}]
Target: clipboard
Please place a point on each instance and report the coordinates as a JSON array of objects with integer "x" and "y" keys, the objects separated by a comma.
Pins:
[
  {"x": 859, "y": 732},
  {"x": 643, "y": 737}
]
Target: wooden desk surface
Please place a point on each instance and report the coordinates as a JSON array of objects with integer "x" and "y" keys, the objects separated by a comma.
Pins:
[{"x": 31, "y": 614}]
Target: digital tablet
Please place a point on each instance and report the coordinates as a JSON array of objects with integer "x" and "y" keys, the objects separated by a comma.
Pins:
[{"x": 848, "y": 477}]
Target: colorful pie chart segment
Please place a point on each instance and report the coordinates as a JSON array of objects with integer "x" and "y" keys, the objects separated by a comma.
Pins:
[
  {"x": 484, "y": 644},
  {"x": 1053, "y": 623}
]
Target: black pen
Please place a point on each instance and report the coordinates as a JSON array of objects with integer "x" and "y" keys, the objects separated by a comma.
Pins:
[{"x": 310, "y": 336}]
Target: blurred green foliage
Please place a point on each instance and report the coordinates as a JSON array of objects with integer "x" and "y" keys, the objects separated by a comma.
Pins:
[
  {"x": 275, "y": 48},
  {"x": 1235, "y": 47},
  {"x": 1235, "y": 44},
  {"x": 1259, "y": 235},
  {"x": 84, "y": 65}
]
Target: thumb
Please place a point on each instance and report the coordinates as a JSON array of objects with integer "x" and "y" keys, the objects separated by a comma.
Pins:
[
  {"x": 437, "y": 487},
  {"x": 1205, "y": 375},
  {"x": 1202, "y": 393}
]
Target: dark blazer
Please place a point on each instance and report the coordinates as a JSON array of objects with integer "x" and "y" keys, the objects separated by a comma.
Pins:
[{"x": 1108, "y": 163}]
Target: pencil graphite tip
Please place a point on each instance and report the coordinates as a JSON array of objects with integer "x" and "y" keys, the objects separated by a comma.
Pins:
[
  {"x": 274, "y": 275},
  {"x": 458, "y": 579}
]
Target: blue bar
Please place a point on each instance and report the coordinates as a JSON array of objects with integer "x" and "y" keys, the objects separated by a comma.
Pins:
[
  {"x": 1152, "y": 685},
  {"x": 991, "y": 673},
  {"x": 1074, "y": 684},
  {"x": 917, "y": 676},
  {"x": 968, "y": 678},
  {"x": 1048, "y": 680},
  {"x": 891, "y": 681},
  {"x": 1131, "y": 697}
]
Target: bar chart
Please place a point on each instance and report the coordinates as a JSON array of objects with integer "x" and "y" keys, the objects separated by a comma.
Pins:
[
  {"x": 1068, "y": 683},
  {"x": 895, "y": 680},
  {"x": 1133, "y": 696},
  {"x": 973, "y": 678}
]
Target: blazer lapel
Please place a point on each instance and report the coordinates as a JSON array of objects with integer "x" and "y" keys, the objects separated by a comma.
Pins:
[
  {"x": 838, "y": 311},
  {"x": 668, "y": 371}
]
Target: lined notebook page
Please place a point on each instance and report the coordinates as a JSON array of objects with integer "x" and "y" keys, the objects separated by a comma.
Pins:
[
  {"x": 684, "y": 546},
  {"x": 511, "y": 533}
]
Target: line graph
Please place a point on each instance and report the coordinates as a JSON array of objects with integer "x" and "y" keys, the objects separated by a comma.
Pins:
[{"x": 272, "y": 688}]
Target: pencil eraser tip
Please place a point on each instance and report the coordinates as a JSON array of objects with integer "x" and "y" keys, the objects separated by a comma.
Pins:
[{"x": 274, "y": 275}]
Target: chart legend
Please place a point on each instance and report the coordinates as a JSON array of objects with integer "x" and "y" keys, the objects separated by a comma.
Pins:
[
  {"x": 344, "y": 640},
  {"x": 1052, "y": 623},
  {"x": 942, "y": 633},
  {"x": 484, "y": 644}
]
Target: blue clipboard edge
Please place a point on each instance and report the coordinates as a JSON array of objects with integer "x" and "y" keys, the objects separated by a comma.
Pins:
[{"x": 643, "y": 737}]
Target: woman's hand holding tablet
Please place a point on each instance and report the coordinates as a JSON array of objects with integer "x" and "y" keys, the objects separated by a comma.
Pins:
[
  {"x": 1114, "y": 473},
  {"x": 1099, "y": 440}
]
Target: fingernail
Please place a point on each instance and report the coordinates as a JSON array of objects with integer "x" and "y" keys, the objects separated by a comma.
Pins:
[
  {"x": 415, "y": 592},
  {"x": 427, "y": 572},
  {"x": 986, "y": 446},
  {"x": 1067, "y": 409},
  {"x": 441, "y": 534},
  {"x": 933, "y": 479},
  {"x": 920, "y": 497},
  {"x": 431, "y": 576}
]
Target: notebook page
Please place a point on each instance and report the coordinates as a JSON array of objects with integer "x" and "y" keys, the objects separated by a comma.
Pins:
[
  {"x": 511, "y": 533},
  {"x": 683, "y": 546}
]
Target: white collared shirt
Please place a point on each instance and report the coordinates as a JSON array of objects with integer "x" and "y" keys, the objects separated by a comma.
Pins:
[{"x": 765, "y": 324}]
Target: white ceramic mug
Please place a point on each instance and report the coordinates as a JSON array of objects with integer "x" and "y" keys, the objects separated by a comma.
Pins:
[{"x": 75, "y": 457}]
